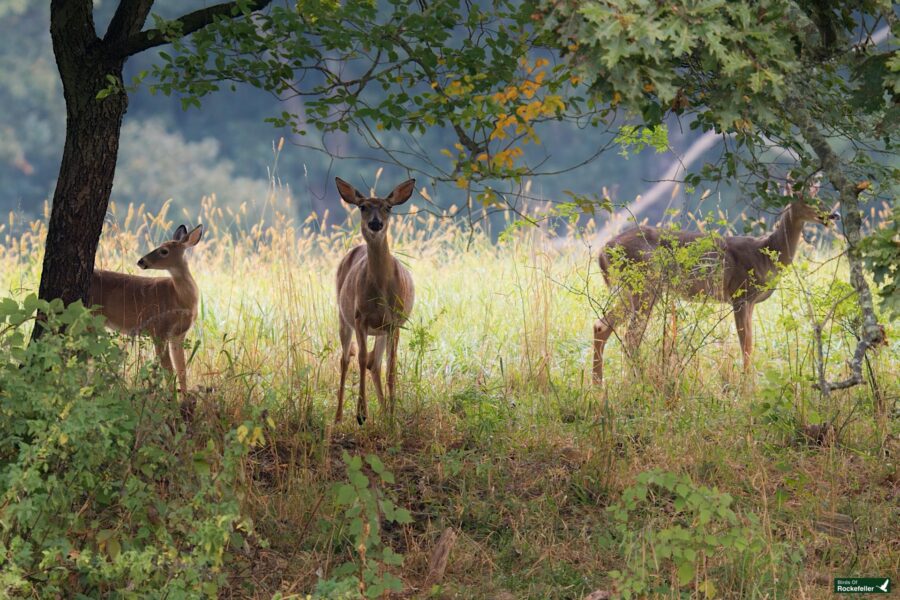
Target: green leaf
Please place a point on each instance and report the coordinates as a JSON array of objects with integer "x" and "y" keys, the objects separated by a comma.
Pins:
[{"x": 686, "y": 572}]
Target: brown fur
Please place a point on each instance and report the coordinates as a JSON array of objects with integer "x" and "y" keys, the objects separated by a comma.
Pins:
[
  {"x": 162, "y": 307},
  {"x": 738, "y": 271},
  {"x": 375, "y": 296}
]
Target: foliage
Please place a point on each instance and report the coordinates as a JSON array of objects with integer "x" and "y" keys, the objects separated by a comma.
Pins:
[
  {"x": 746, "y": 70},
  {"x": 881, "y": 251},
  {"x": 105, "y": 490},
  {"x": 367, "y": 507},
  {"x": 674, "y": 533},
  {"x": 470, "y": 70}
]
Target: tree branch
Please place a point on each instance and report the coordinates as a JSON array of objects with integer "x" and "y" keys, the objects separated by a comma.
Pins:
[
  {"x": 128, "y": 21},
  {"x": 188, "y": 23},
  {"x": 871, "y": 334}
]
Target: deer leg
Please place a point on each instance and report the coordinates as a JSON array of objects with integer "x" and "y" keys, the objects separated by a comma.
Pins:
[
  {"x": 743, "y": 320},
  {"x": 374, "y": 366},
  {"x": 394, "y": 341},
  {"x": 603, "y": 328},
  {"x": 361, "y": 409},
  {"x": 637, "y": 323},
  {"x": 176, "y": 348},
  {"x": 162, "y": 352},
  {"x": 346, "y": 335}
]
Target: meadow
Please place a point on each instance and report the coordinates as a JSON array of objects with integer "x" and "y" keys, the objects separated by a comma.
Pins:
[{"x": 676, "y": 478}]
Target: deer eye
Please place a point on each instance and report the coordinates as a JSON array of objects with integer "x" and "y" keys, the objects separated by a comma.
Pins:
[{"x": 163, "y": 251}]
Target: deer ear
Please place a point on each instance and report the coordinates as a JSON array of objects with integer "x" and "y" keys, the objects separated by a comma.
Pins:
[
  {"x": 348, "y": 192},
  {"x": 194, "y": 236},
  {"x": 402, "y": 192},
  {"x": 179, "y": 233}
]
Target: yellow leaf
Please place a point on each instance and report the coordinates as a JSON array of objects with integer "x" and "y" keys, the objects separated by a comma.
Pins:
[{"x": 462, "y": 182}]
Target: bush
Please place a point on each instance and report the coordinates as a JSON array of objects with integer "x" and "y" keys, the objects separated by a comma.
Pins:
[
  {"x": 105, "y": 493},
  {"x": 676, "y": 535}
]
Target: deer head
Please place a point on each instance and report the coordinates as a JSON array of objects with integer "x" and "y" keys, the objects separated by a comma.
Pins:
[
  {"x": 376, "y": 212},
  {"x": 806, "y": 207},
  {"x": 170, "y": 255}
]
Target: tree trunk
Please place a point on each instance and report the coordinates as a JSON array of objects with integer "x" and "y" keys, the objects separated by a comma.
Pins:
[
  {"x": 89, "y": 158},
  {"x": 871, "y": 334}
]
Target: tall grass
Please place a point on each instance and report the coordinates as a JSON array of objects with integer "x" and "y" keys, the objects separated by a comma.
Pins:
[{"x": 500, "y": 434}]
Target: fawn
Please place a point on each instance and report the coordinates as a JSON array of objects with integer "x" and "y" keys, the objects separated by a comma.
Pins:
[
  {"x": 163, "y": 307},
  {"x": 375, "y": 296},
  {"x": 737, "y": 269}
]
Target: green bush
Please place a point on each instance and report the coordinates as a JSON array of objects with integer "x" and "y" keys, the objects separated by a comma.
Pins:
[
  {"x": 676, "y": 536},
  {"x": 105, "y": 493},
  {"x": 366, "y": 507}
]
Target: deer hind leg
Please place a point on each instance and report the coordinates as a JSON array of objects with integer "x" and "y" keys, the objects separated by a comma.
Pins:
[
  {"x": 346, "y": 335},
  {"x": 176, "y": 348},
  {"x": 374, "y": 366},
  {"x": 743, "y": 320},
  {"x": 394, "y": 341},
  {"x": 361, "y": 409}
]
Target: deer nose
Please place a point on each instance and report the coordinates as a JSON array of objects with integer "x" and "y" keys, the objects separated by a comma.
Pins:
[
  {"x": 376, "y": 225},
  {"x": 142, "y": 264},
  {"x": 834, "y": 216}
]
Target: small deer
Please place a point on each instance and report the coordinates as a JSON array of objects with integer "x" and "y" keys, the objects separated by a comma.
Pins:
[
  {"x": 739, "y": 270},
  {"x": 163, "y": 307},
  {"x": 375, "y": 295}
]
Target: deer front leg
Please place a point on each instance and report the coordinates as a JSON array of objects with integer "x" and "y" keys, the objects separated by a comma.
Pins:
[
  {"x": 176, "y": 348},
  {"x": 394, "y": 341},
  {"x": 162, "y": 352},
  {"x": 603, "y": 328},
  {"x": 361, "y": 410},
  {"x": 374, "y": 366},
  {"x": 743, "y": 320},
  {"x": 346, "y": 335}
]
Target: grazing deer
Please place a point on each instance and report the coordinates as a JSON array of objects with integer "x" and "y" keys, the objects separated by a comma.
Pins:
[
  {"x": 735, "y": 269},
  {"x": 375, "y": 295},
  {"x": 163, "y": 307}
]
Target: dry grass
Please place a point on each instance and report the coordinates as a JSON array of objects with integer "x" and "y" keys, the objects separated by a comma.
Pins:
[{"x": 499, "y": 434}]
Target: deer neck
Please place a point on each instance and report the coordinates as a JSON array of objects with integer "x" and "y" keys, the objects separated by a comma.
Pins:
[
  {"x": 379, "y": 272},
  {"x": 185, "y": 287},
  {"x": 785, "y": 238}
]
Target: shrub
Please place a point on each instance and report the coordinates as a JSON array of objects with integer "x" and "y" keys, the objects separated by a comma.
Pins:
[
  {"x": 673, "y": 534},
  {"x": 104, "y": 491}
]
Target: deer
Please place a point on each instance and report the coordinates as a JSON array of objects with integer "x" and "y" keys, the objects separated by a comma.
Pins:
[
  {"x": 739, "y": 270},
  {"x": 164, "y": 308},
  {"x": 375, "y": 296}
]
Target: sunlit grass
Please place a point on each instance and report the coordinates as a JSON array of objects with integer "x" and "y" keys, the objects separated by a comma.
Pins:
[{"x": 500, "y": 433}]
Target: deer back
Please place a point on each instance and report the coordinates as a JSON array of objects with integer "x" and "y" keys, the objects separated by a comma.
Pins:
[{"x": 135, "y": 304}]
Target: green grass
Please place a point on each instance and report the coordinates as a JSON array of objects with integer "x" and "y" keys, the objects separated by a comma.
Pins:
[{"x": 499, "y": 433}]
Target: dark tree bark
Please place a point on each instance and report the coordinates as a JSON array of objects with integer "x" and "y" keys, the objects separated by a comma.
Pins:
[
  {"x": 93, "y": 127},
  {"x": 89, "y": 157}
]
